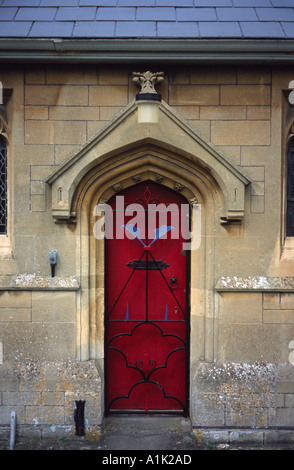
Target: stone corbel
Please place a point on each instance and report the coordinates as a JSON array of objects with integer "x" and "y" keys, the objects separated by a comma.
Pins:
[
  {"x": 232, "y": 217},
  {"x": 65, "y": 217},
  {"x": 235, "y": 197}
]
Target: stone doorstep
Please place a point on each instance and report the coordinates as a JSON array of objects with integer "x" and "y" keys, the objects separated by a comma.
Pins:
[
  {"x": 34, "y": 437},
  {"x": 255, "y": 437}
]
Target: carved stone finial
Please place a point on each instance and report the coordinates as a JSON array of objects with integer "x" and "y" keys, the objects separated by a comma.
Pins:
[{"x": 148, "y": 80}]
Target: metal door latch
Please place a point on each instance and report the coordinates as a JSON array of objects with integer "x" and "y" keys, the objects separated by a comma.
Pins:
[{"x": 173, "y": 283}]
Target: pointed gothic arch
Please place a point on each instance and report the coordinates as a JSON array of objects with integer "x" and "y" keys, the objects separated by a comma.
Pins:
[
  {"x": 171, "y": 135},
  {"x": 127, "y": 152}
]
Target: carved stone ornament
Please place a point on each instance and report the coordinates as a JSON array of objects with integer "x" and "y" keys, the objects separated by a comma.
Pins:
[
  {"x": 159, "y": 178},
  {"x": 137, "y": 178},
  {"x": 148, "y": 80},
  {"x": 178, "y": 187},
  {"x": 193, "y": 201},
  {"x": 117, "y": 187}
]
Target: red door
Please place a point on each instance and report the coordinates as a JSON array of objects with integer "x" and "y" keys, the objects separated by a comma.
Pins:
[{"x": 147, "y": 329}]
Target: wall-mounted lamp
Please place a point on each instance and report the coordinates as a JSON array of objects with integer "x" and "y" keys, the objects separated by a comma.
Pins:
[
  {"x": 53, "y": 261},
  {"x": 148, "y": 100},
  {"x": 148, "y": 106}
]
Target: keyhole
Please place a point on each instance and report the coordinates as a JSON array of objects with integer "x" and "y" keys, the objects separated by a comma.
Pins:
[{"x": 176, "y": 309}]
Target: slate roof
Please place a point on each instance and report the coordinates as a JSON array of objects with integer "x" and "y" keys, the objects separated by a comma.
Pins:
[{"x": 149, "y": 19}]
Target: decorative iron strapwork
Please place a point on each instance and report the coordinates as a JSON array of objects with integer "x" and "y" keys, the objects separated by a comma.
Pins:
[
  {"x": 3, "y": 186},
  {"x": 146, "y": 375},
  {"x": 148, "y": 370}
]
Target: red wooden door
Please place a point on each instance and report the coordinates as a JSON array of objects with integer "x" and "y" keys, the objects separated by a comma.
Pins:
[{"x": 147, "y": 328}]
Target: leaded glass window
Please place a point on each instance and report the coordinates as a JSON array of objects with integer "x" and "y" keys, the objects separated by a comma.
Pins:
[{"x": 3, "y": 186}]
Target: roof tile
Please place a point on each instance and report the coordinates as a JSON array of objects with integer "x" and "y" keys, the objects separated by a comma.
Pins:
[
  {"x": 49, "y": 29},
  {"x": 35, "y": 14},
  {"x": 282, "y": 3},
  {"x": 135, "y": 29},
  {"x": 252, "y": 3},
  {"x": 97, "y": 3},
  {"x": 175, "y": 3},
  {"x": 156, "y": 14},
  {"x": 275, "y": 14},
  {"x": 148, "y": 18},
  {"x": 136, "y": 3},
  {"x": 19, "y": 3},
  {"x": 183, "y": 29},
  {"x": 196, "y": 14},
  {"x": 75, "y": 14},
  {"x": 223, "y": 29},
  {"x": 21, "y": 30},
  {"x": 94, "y": 29},
  {"x": 116, "y": 13},
  {"x": 236, "y": 14},
  {"x": 289, "y": 29},
  {"x": 7, "y": 14},
  {"x": 213, "y": 3},
  {"x": 59, "y": 3},
  {"x": 261, "y": 30}
]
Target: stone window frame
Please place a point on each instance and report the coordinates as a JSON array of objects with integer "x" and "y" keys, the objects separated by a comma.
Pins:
[
  {"x": 290, "y": 145},
  {"x": 5, "y": 248},
  {"x": 3, "y": 191},
  {"x": 287, "y": 242}
]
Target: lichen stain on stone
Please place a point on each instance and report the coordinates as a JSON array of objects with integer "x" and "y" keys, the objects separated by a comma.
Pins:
[
  {"x": 93, "y": 434},
  {"x": 199, "y": 435},
  {"x": 246, "y": 391},
  {"x": 48, "y": 390},
  {"x": 255, "y": 283},
  {"x": 34, "y": 281}
]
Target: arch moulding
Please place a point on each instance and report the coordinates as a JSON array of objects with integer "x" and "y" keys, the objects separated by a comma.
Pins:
[{"x": 172, "y": 135}]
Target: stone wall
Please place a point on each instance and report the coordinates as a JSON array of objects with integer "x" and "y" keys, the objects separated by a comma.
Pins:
[
  {"x": 53, "y": 111},
  {"x": 43, "y": 395},
  {"x": 243, "y": 402}
]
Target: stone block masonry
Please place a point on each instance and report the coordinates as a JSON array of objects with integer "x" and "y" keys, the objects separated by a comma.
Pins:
[
  {"x": 43, "y": 395},
  {"x": 244, "y": 396},
  {"x": 241, "y": 357}
]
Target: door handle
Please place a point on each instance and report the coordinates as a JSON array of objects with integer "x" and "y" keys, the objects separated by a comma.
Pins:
[{"x": 173, "y": 283}]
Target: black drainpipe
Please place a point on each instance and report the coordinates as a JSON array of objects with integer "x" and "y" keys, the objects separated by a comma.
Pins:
[{"x": 79, "y": 418}]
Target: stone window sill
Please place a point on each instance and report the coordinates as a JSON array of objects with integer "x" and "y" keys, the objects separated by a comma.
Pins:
[
  {"x": 288, "y": 250},
  {"x": 35, "y": 282},
  {"x": 254, "y": 284}
]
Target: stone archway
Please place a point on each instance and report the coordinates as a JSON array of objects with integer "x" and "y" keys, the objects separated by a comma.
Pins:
[{"x": 174, "y": 156}]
